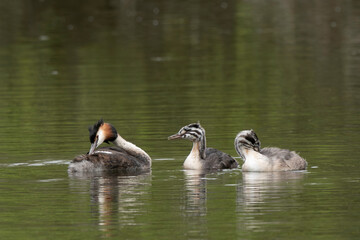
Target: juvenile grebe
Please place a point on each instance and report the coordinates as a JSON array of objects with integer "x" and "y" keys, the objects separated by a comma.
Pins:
[
  {"x": 200, "y": 156},
  {"x": 247, "y": 145},
  {"x": 124, "y": 157}
]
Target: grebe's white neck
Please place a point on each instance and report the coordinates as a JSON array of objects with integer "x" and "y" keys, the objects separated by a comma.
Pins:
[
  {"x": 193, "y": 161},
  {"x": 255, "y": 161},
  {"x": 131, "y": 148}
]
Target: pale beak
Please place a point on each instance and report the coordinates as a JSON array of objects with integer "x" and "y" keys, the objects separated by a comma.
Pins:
[
  {"x": 93, "y": 146},
  {"x": 98, "y": 141},
  {"x": 175, "y": 136}
]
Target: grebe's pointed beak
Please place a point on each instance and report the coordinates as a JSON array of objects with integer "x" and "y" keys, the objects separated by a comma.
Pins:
[
  {"x": 175, "y": 136},
  {"x": 100, "y": 138},
  {"x": 93, "y": 146}
]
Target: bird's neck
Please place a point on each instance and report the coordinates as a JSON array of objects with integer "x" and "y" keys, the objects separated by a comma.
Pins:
[
  {"x": 194, "y": 160},
  {"x": 196, "y": 156},
  {"x": 131, "y": 148},
  {"x": 200, "y": 147},
  {"x": 255, "y": 161},
  {"x": 244, "y": 152}
]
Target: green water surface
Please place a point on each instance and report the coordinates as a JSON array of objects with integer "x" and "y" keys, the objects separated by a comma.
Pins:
[{"x": 287, "y": 69}]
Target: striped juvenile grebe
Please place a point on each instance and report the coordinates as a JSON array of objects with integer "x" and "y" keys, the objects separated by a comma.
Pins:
[
  {"x": 247, "y": 145},
  {"x": 200, "y": 156},
  {"x": 125, "y": 156}
]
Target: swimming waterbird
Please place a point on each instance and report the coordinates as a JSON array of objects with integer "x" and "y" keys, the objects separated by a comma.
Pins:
[
  {"x": 124, "y": 156},
  {"x": 200, "y": 156},
  {"x": 247, "y": 145}
]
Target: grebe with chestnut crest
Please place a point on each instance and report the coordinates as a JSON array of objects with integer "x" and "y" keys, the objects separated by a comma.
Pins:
[{"x": 124, "y": 156}]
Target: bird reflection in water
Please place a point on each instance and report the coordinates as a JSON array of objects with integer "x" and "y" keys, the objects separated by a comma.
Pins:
[
  {"x": 195, "y": 203},
  {"x": 116, "y": 199},
  {"x": 262, "y": 193},
  {"x": 195, "y": 185}
]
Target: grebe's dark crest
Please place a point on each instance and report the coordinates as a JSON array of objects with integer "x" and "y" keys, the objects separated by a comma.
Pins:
[
  {"x": 202, "y": 157},
  {"x": 101, "y": 132},
  {"x": 247, "y": 145},
  {"x": 123, "y": 156},
  {"x": 248, "y": 139}
]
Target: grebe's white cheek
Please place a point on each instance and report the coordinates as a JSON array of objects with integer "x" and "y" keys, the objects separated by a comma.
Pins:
[{"x": 100, "y": 137}]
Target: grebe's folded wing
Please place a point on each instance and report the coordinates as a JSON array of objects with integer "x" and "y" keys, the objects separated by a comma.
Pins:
[
  {"x": 218, "y": 159},
  {"x": 290, "y": 158}
]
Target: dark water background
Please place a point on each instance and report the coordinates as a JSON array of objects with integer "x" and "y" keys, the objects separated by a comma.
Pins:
[{"x": 287, "y": 69}]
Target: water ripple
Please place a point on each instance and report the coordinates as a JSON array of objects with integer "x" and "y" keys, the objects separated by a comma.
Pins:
[{"x": 36, "y": 163}]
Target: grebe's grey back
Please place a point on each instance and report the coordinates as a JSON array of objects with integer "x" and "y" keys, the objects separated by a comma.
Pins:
[
  {"x": 200, "y": 156},
  {"x": 247, "y": 145},
  {"x": 125, "y": 156}
]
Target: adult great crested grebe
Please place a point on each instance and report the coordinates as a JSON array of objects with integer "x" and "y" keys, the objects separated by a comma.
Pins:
[
  {"x": 200, "y": 156},
  {"x": 125, "y": 156},
  {"x": 247, "y": 145}
]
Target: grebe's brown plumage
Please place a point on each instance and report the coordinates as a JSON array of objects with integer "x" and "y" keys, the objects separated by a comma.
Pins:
[
  {"x": 125, "y": 156},
  {"x": 259, "y": 159},
  {"x": 200, "y": 156}
]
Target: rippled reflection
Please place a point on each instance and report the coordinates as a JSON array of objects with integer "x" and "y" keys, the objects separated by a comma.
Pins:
[
  {"x": 261, "y": 193},
  {"x": 195, "y": 184},
  {"x": 195, "y": 205},
  {"x": 116, "y": 200}
]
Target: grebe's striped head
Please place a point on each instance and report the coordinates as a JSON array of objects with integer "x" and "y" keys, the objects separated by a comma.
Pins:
[
  {"x": 247, "y": 139},
  {"x": 193, "y": 132},
  {"x": 101, "y": 132}
]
